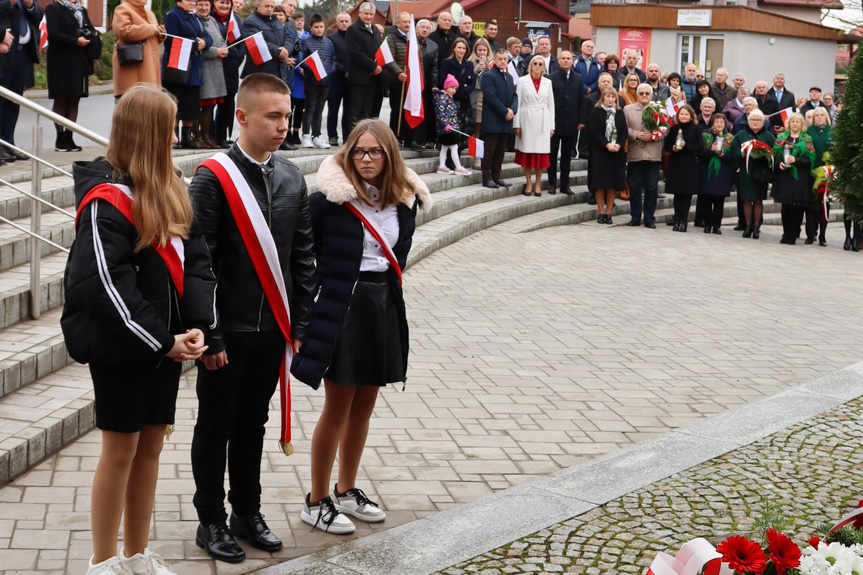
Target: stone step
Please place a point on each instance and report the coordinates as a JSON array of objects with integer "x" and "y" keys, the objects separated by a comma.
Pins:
[
  {"x": 31, "y": 350},
  {"x": 15, "y": 289}
]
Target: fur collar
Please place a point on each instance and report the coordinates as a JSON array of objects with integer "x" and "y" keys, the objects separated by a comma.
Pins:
[{"x": 334, "y": 184}]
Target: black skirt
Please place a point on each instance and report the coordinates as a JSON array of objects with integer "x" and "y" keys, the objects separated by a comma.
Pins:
[
  {"x": 128, "y": 398},
  {"x": 368, "y": 348}
]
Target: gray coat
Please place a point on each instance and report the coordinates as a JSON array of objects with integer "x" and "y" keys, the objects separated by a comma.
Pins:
[{"x": 214, "y": 77}]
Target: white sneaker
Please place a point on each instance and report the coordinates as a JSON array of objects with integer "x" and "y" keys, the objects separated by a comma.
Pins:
[
  {"x": 112, "y": 566},
  {"x": 146, "y": 563},
  {"x": 324, "y": 515},
  {"x": 356, "y": 504},
  {"x": 444, "y": 170},
  {"x": 463, "y": 171},
  {"x": 321, "y": 142},
  {"x": 306, "y": 142}
]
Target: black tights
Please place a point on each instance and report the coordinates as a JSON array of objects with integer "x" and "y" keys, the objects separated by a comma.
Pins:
[
  {"x": 848, "y": 222},
  {"x": 66, "y": 107},
  {"x": 816, "y": 222}
]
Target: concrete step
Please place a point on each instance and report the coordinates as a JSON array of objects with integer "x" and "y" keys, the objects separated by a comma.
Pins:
[
  {"x": 31, "y": 350},
  {"x": 15, "y": 289}
]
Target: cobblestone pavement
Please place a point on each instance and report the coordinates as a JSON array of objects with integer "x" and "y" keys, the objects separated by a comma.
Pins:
[
  {"x": 810, "y": 472},
  {"x": 530, "y": 353}
]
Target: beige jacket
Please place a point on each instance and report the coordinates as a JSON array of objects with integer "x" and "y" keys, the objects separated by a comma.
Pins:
[
  {"x": 134, "y": 23},
  {"x": 652, "y": 151}
]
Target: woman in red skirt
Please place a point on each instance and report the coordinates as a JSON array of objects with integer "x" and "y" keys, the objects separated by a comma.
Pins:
[{"x": 533, "y": 124}]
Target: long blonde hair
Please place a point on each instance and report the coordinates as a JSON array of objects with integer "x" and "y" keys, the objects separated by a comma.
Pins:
[
  {"x": 142, "y": 130},
  {"x": 396, "y": 187}
]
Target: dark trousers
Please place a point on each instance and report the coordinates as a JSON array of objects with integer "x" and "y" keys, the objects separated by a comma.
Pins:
[
  {"x": 702, "y": 207},
  {"x": 815, "y": 221},
  {"x": 792, "y": 219},
  {"x": 427, "y": 131},
  {"x": 643, "y": 180},
  {"x": 492, "y": 157},
  {"x": 714, "y": 209},
  {"x": 848, "y": 222},
  {"x": 295, "y": 122},
  {"x": 225, "y": 118},
  {"x": 682, "y": 203},
  {"x": 15, "y": 78},
  {"x": 360, "y": 101},
  {"x": 233, "y": 404},
  {"x": 337, "y": 95},
  {"x": 316, "y": 97},
  {"x": 565, "y": 144},
  {"x": 404, "y": 133}
]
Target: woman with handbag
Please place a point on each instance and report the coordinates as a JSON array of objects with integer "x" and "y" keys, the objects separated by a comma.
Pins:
[
  {"x": 74, "y": 44},
  {"x": 357, "y": 340},
  {"x": 136, "y": 52}
]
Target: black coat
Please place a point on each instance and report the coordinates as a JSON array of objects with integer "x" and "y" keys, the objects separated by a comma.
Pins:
[
  {"x": 338, "y": 248},
  {"x": 498, "y": 94},
  {"x": 429, "y": 55},
  {"x": 274, "y": 35},
  {"x": 606, "y": 170},
  {"x": 362, "y": 46},
  {"x": 444, "y": 43},
  {"x": 464, "y": 74},
  {"x": 787, "y": 101},
  {"x": 242, "y": 305},
  {"x": 569, "y": 104},
  {"x": 121, "y": 305},
  {"x": 231, "y": 64},
  {"x": 339, "y": 40},
  {"x": 591, "y": 99},
  {"x": 33, "y": 17},
  {"x": 68, "y": 65},
  {"x": 180, "y": 23},
  {"x": 683, "y": 166}
]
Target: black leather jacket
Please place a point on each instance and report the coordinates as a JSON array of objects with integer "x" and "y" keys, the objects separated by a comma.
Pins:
[{"x": 240, "y": 301}]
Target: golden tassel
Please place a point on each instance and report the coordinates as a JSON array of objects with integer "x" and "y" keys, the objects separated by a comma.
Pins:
[
  {"x": 286, "y": 448},
  {"x": 169, "y": 429}
]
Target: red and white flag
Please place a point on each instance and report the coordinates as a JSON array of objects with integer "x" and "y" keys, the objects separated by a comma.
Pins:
[
  {"x": 181, "y": 53},
  {"x": 513, "y": 73},
  {"x": 783, "y": 114},
  {"x": 257, "y": 47},
  {"x": 672, "y": 107},
  {"x": 43, "y": 34},
  {"x": 475, "y": 147},
  {"x": 414, "y": 110},
  {"x": 383, "y": 56},
  {"x": 233, "y": 32},
  {"x": 316, "y": 65}
]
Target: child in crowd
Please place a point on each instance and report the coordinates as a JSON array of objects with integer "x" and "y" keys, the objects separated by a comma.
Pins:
[
  {"x": 298, "y": 89},
  {"x": 446, "y": 114},
  {"x": 316, "y": 90}
]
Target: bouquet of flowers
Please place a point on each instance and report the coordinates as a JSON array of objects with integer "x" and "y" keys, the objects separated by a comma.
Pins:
[
  {"x": 761, "y": 169},
  {"x": 746, "y": 556},
  {"x": 656, "y": 120}
]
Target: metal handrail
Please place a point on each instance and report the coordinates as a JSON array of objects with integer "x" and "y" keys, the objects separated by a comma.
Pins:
[
  {"x": 32, "y": 235},
  {"x": 54, "y": 117},
  {"x": 37, "y": 198},
  {"x": 32, "y": 157}
]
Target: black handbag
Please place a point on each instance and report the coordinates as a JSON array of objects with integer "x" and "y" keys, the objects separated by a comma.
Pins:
[
  {"x": 130, "y": 53},
  {"x": 94, "y": 48}
]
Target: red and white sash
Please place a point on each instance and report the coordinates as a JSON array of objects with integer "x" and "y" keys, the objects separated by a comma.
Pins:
[
  {"x": 356, "y": 208},
  {"x": 120, "y": 196},
  {"x": 265, "y": 259}
]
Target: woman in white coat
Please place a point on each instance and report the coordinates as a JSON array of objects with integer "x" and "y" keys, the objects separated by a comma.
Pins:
[{"x": 534, "y": 123}]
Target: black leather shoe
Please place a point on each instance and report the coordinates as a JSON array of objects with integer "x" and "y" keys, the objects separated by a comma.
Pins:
[
  {"x": 854, "y": 246},
  {"x": 748, "y": 232},
  {"x": 633, "y": 224},
  {"x": 756, "y": 233},
  {"x": 783, "y": 240},
  {"x": 651, "y": 224},
  {"x": 822, "y": 241},
  {"x": 717, "y": 231},
  {"x": 591, "y": 201},
  {"x": 847, "y": 245},
  {"x": 669, "y": 222},
  {"x": 809, "y": 241},
  {"x": 254, "y": 530},
  {"x": 706, "y": 229},
  {"x": 501, "y": 183},
  {"x": 287, "y": 147},
  {"x": 489, "y": 184},
  {"x": 676, "y": 227},
  {"x": 6, "y": 157},
  {"x": 552, "y": 190},
  {"x": 218, "y": 543},
  {"x": 414, "y": 146},
  {"x": 739, "y": 227},
  {"x": 566, "y": 191}
]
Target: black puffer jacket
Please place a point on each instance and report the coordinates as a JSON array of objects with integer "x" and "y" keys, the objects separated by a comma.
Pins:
[
  {"x": 121, "y": 306},
  {"x": 241, "y": 304},
  {"x": 339, "y": 251}
]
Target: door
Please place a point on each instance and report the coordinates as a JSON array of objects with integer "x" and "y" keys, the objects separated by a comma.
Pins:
[{"x": 703, "y": 51}]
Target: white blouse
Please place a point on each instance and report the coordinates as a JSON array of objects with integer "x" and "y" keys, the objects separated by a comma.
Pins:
[{"x": 387, "y": 222}]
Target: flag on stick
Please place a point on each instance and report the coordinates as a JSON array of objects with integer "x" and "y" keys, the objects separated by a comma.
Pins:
[
  {"x": 181, "y": 53},
  {"x": 783, "y": 114},
  {"x": 233, "y": 32},
  {"x": 316, "y": 65},
  {"x": 257, "y": 47},
  {"x": 672, "y": 107},
  {"x": 383, "y": 56},
  {"x": 475, "y": 147},
  {"x": 43, "y": 34},
  {"x": 414, "y": 110}
]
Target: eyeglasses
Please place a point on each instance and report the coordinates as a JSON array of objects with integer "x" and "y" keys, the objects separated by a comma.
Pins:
[
  {"x": 537, "y": 64},
  {"x": 374, "y": 153},
  {"x": 644, "y": 93}
]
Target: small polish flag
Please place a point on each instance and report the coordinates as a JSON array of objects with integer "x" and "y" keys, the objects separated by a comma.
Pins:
[
  {"x": 257, "y": 47},
  {"x": 783, "y": 114},
  {"x": 513, "y": 72},
  {"x": 233, "y": 32},
  {"x": 316, "y": 65},
  {"x": 181, "y": 53},
  {"x": 672, "y": 107},
  {"x": 383, "y": 55},
  {"x": 43, "y": 34},
  {"x": 475, "y": 147}
]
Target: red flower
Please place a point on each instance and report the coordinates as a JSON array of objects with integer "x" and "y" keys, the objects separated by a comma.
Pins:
[
  {"x": 782, "y": 551},
  {"x": 814, "y": 542},
  {"x": 858, "y": 523},
  {"x": 656, "y": 115},
  {"x": 742, "y": 554}
]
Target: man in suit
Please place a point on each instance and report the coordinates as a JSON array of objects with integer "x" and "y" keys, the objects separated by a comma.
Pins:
[
  {"x": 766, "y": 103},
  {"x": 630, "y": 66},
  {"x": 606, "y": 80},
  {"x": 587, "y": 67},
  {"x": 543, "y": 48},
  {"x": 814, "y": 100},
  {"x": 364, "y": 73},
  {"x": 17, "y": 64},
  {"x": 490, "y": 29},
  {"x": 569, "y": 113},
  {"x": 444, "y": 36},
  {"x": 338, "y": 93},
  {"x": 499, "y": 105},
  {"x": 721, "y": 90},
  {"x": 784, "y": 97},
  {"x": 465, "y": 30}
]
